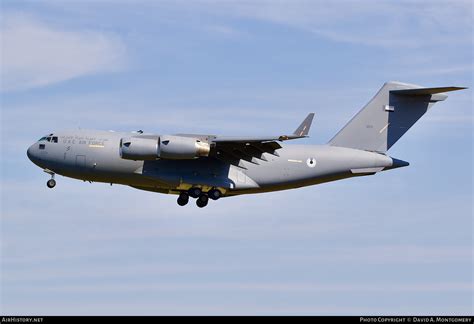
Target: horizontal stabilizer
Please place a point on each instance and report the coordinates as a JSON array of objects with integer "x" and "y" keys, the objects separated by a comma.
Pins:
[{"x": 425, "y": 91}]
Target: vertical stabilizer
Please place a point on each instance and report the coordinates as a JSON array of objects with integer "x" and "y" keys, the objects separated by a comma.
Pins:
[{"x": 388, "y": 116}]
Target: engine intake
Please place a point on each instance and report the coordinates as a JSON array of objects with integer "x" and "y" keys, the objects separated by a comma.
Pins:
[{"x": 164, "y": 147}]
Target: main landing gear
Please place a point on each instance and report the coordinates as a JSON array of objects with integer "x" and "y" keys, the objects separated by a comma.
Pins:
[
  {"x": 214, "y": 194},
  {"x": 202, "y": 201},
  {"x": 195, "y": 192},
  {"x": 183, "y": 199},
  {"x": 202, "y": 198}
]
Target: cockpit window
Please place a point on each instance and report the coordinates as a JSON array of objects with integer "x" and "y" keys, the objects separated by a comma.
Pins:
[{"x": 53, "y": 139}]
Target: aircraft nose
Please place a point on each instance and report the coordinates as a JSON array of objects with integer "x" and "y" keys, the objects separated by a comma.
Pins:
[{"x": 31, "y": 153}]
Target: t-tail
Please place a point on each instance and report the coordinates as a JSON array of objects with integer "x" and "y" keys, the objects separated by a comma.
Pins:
[{"x": 388, "y": 116}]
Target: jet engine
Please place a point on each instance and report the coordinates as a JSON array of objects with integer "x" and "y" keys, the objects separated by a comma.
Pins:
[
  {"x": 139, "y": 148},
  {"x": 181, "y": 148},
  {"x": 163, "y": 147}
]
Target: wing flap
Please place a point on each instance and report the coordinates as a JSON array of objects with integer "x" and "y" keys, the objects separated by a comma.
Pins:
[{"x": 236, "y": 149}]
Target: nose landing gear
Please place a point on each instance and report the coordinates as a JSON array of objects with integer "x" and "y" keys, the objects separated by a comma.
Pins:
[{"x": 51, "y": 183}]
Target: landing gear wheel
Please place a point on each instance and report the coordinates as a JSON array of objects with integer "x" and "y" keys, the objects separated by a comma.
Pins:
[
  {"x": 214, "y": 194},
  {"x": 202, "y": 201},
  {"x": 51, "y": 183},
  {"x": 183, "y": 199},
  {"x": 195, "y": 192}
]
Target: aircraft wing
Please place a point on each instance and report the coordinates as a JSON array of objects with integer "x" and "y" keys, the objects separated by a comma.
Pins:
[
  {"x": 254, "y": 139},
  {"x": 233, "y": 149}
]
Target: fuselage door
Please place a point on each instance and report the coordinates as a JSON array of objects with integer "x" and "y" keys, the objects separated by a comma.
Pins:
[{"x": 81, "y": 162}]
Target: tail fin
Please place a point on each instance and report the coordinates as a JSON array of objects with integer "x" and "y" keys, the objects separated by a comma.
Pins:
[{"x": 388, "y": 116}]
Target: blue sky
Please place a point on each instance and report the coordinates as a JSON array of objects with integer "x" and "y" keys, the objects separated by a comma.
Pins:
[{"x": 399, "y": 242}]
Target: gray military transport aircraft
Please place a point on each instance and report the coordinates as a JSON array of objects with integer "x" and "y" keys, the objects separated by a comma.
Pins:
[{"x": 210, "y": 167}]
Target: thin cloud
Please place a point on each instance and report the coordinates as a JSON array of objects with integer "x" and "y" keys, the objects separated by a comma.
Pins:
[
  {"x": 407, "y": 24},
  {"x": 224, "y": 31},
  {"x": 35, "y": 54},
  {"x": 456, "y": 69}
]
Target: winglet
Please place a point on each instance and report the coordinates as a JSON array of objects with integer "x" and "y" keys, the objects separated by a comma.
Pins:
[{"x": 303, "y": 129}]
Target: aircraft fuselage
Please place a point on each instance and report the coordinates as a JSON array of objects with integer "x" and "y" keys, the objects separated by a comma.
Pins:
[{"x": 92, "y": 155}]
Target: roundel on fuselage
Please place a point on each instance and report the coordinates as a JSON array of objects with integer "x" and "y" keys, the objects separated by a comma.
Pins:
[{"x": 311, "y": 162}]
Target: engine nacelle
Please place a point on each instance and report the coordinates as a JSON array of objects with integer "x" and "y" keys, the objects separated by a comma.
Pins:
[
  {"x": 165, "y": 147},
  {"x": 138, "y": 148},
  {"x": 181, "y": 148}
]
